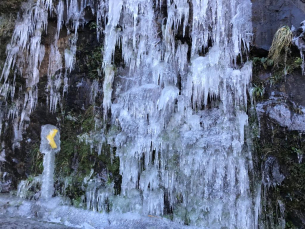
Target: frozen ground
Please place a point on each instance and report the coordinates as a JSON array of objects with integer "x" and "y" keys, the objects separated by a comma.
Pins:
[
  {"x": 22, "y": 214},
  {"x": 24, "y": 223}
]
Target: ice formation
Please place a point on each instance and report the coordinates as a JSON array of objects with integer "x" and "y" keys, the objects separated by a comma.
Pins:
[
  {"x": 49, "y": 135},
  {"x": 179, "y": 102},
  {"x": 299, "y": 42}
]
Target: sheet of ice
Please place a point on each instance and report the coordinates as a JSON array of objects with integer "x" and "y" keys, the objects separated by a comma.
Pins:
[{"x": 53, "y": 214}]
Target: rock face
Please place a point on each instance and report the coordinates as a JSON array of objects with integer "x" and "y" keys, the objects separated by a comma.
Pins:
[
  {"x": 26, "y": 161},
  {"x": 286, "y": 104},
  {"x": 10, "y": 6},
  {"x": 281, "y": 120},
  {"x": 281, "y": 146},
  {"x": 11, "y": 165},
  {"x": 269, "y": 15}
]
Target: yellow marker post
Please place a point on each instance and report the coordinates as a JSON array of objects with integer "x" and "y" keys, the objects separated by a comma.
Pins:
[
  {"x": 50, "y": 138},
  {"x": 49, "y": 146}
]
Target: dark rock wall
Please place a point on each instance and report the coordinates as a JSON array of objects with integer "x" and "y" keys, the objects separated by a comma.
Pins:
[
  {"x": 269, "y": 15},
  {"x": 9, "y": 6},
  {"x": 281, "y": 147},
  {"x": 280, "y": 112}
]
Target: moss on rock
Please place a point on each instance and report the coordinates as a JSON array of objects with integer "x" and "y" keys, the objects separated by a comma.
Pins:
[{"x": 10, "y": 6}]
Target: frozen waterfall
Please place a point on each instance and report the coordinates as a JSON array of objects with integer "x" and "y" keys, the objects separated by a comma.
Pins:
[{"x": 179, "y": 101}]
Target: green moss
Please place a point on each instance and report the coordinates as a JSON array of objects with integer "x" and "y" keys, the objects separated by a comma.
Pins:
[
  {"x": 286, "y": 146},
  {"x": 78, "y": 202},
  {"x": 7, "y": 23},
  {"x": 77, "y": 159},
  {"x": 88, "y": 122},
  {"x": 36, "y": 160},
  {"x": 91, "y": 60},
  {"x": 10, "y": 6},
  {"x": 95, "y": 62},
  {"x": 258, "y": 91}
]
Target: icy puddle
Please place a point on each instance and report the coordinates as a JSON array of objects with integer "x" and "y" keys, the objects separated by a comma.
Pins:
[{"x": 21, "y": 214}]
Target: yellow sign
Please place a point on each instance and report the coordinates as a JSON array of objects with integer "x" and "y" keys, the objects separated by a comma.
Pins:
[{"x": 50, "y": 138}]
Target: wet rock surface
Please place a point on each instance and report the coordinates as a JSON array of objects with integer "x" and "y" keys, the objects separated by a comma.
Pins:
[
  {"x": 281, "y": 146},
  {"x": 280, "y": 113}
]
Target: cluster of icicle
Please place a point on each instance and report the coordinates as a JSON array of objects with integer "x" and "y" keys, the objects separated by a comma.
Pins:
[
  {"x": 299, "y": 42},
  {"x": 180, "y": 106}
]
